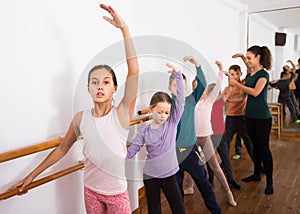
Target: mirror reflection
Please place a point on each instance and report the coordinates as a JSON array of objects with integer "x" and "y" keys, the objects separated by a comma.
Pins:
[{"x": 279, "y": 29}]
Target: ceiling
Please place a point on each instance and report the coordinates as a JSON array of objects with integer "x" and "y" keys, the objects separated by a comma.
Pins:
[{"x": 281, "y": 13}]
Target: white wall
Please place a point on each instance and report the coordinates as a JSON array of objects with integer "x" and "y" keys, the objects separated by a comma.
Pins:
[
  {"x": 289, "y": 49},
  {"x": 262, "y": 33},
  {"x": 45, "y": 47},
  {"x": 205, "y": 27}
]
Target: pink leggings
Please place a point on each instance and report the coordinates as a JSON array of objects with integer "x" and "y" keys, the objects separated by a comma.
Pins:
[{"x": 96, "y": 203}]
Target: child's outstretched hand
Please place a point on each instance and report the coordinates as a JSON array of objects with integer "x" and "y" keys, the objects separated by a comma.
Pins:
[
  {"x": 116, "y": 20},
  {"x": 173, "y": 68},
  {"x": 219, "y": 64},
  {"x": 191, "y": 59}
]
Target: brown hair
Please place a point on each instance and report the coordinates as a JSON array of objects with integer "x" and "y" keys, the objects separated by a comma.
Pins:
[
  {"x": 286, "y": 68},
  {"x": 111, "y": 71},
  {"x": 265, "y": 55},
  {"x": 160, "y": 96},
  {"x": 236, "y": 68}
]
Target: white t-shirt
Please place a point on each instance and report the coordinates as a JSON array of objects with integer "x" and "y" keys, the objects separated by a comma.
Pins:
[{"x": 104, "y": 148}]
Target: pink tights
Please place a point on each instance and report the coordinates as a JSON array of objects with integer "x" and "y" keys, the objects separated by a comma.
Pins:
[{"x": 96, "y": 203}]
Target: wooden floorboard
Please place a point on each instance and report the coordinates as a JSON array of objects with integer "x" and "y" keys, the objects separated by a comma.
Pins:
[{"x": 251, "y": 197}]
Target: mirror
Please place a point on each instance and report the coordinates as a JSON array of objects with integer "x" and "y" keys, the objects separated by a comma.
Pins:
[{"x": 262, "y": 26}]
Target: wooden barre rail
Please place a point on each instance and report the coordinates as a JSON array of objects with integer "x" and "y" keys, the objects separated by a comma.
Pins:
[
  {"x": 139, "y": 120},
  {"x": 144, "y": 111},
  {"x": 6, "y": 156},
  {"x": 41, "y": 147},
  {"x": 41, "y": 181},
  {"x": 29, "y": 150}
]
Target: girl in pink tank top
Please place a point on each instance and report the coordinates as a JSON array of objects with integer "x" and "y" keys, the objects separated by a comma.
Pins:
[{"x": 105, "y": 192}]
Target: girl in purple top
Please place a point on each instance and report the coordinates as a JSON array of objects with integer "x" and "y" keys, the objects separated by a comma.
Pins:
[{"x": 159, "y": 137}]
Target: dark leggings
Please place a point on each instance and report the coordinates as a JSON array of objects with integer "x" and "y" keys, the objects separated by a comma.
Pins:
[
  {"x": 297, "y": 95},
  {"x": 171, "y": 190},
  {"x": 236, "y": 124},
  {"x": 195, "y": 168},
  {"x": 259, "y": 132},
  {"x": 290, "y": 104}
]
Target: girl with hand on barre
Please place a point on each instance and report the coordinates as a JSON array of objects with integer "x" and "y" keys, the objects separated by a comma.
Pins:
[{"x": 104, "y": 128}]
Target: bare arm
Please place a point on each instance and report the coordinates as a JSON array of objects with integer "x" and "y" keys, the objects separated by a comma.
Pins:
[
  {"x": 131, "y": 85},
  {"x": 225, "y": 94},
  {"x": 242, "y": 56},
  {"x": 192, "y": 60},
  {"x": 214, "y": 95},
  {"x": 293, "y": 65},
  {"x": 53, "y": 157},
  {"x": 260, "y": 84},
  {"x": 293, "y": 69},
  {"x": 126, "y": 106},
  {"x": 237, "y": 99}
]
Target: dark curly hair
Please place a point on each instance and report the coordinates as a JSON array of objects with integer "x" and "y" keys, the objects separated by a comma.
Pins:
[{"x": 265, "y": 55}]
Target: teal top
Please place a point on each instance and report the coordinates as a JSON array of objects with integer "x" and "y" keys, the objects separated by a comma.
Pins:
[
  {"x": 186, "y": 135},
  {"x": 257, "y": 107}
]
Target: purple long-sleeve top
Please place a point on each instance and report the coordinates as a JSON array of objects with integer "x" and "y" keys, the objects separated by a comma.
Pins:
[{"x": 161, "y": 160}]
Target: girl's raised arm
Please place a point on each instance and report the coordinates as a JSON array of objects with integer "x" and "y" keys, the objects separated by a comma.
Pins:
[
  {"x": 131, "y": 85},
  {"x": 180, "y": 97},
  {"x": 215, "y": 92},
  {"x": 201, "y": 81}
]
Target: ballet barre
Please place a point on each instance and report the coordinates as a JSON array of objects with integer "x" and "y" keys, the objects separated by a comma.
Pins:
[
  {"x": 41, "y": 181},
  {"x": 10, "y": 155},
  {"x": 144, "y": 111},
  {"x": 29, "y": 150}
]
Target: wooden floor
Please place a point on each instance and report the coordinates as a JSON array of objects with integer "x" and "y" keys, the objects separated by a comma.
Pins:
[{"x": 251, "y": 197}]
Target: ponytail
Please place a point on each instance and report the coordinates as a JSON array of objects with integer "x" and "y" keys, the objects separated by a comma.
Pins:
[
  {"x": 266, "y": 58},
  {"x": 265, "y": 55}
]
